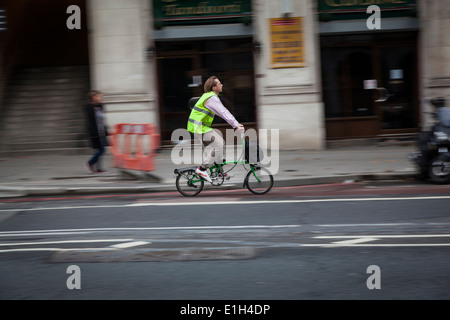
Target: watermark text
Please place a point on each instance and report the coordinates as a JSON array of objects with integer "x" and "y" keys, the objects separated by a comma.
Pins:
[
  {"x": 187, "y": 153},
  {"x": 74, "y": 21}
]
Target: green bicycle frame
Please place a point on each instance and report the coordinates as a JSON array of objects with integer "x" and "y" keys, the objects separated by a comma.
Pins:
[{"x": 218, "y": 167}]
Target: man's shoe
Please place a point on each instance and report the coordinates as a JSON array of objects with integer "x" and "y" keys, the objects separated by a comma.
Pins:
[
  {"x": 204, "y": 174},
  {"x": 90, "y": 167}
]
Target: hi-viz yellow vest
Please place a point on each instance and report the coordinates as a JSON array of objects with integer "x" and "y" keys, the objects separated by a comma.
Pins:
[{"x": 201, "y": 118}]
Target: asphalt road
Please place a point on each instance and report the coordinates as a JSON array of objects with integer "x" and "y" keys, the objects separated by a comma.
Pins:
[{"x": 342, "y": 241}]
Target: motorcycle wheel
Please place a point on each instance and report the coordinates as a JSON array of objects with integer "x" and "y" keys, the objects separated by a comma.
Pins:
[
  {"x": 437, "y": 172},
  {"x": 417, "y": 159}
]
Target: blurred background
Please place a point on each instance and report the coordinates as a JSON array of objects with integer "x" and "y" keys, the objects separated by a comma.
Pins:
[{"x": 310, "y": 68}]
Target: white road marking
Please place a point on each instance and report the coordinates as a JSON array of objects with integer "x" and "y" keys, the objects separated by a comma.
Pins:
[
  {"x": 88, "y": 230},
  {"x": 41, "y": 234},
  {"x": 61, "y": 242},
  {"x": 286, "y": 201},
  {"x": 129, "y": 244},
  {"x": 331, "y": 245},
  {"x": 340, "y": 240},
  {"x": 57, "y": 249},
  {"x": 359, "y": 241},
  {"x": 215, "y": 203},
  {"x": 353, "y": 241},
  {"x": 61, "y": 208},
  {"x": 338, "y": 225},
  {"x": 388, "y": 236}
]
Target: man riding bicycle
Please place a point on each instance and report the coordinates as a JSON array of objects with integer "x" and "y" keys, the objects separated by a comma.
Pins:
[{"x": 200, "y": 122}]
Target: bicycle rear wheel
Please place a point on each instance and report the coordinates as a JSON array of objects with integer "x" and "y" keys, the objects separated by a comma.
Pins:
[
  {"x": 189, "y": 184},
  {"x": 259, "y": 181}
]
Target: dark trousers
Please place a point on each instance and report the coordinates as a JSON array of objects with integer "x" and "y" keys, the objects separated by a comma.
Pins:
[{"x": 96, "y": 157}]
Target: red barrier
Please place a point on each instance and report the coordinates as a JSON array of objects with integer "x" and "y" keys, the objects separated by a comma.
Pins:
[{"x": 133, "y": 146}]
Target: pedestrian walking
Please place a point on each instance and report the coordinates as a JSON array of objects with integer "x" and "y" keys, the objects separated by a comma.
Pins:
[{"x": 98, "y": 132}]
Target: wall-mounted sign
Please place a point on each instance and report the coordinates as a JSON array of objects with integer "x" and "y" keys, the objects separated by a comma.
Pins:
[
  {"x": 286, "y": 43},
  {"x": 181, "y": 12}
]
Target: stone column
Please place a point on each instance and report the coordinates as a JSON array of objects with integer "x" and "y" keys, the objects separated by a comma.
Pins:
[
  {"x": 434, "y": 50},
  {"x": 289, "y": 99},
  {"x": 118, "y": 39}
]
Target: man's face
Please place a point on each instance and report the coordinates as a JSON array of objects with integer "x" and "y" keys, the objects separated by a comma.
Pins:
[
  {"x": 218, "y": 86},
  {"x": 98, "y": 98}
]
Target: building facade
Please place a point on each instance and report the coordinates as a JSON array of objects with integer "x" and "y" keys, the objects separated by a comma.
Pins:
[
  {"x": 151, "y": 57},
  {"x": 316, "y": 70}
]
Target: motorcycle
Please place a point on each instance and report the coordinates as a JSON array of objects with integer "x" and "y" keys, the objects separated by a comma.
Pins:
[{"x": 433, "y": 158}]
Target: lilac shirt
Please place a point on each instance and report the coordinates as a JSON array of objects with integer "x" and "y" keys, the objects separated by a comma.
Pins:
[{"x": 215, "y": 105}]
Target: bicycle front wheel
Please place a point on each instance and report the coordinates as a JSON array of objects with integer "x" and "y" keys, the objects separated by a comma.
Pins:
[
  {"x": 189, "y": 184},
  {"x": 259, "y": 180}
]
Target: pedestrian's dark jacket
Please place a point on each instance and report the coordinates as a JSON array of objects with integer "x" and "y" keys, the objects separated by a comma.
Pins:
[{"x": 96, "y": 127}]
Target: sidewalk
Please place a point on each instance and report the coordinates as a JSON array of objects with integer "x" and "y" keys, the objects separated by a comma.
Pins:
[{"x": 46, "y": 175}]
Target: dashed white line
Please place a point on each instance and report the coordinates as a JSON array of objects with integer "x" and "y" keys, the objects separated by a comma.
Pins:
[
  {"x": 353, "y": 241},
  {"x": 129, "y": 244},
  {"x": 361, "y": 241}
]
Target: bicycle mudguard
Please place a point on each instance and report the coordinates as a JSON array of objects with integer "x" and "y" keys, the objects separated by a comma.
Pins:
[{"x": 182, "y": 170}]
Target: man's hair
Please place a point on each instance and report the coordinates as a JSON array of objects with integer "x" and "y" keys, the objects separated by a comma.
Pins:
[
  {"x": 209, "y": 83},
  {"x": 92, "y": 94}
]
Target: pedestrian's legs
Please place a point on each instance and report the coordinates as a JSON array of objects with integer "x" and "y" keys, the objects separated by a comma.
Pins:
[
  {"x": 214, "y": 150},
  {"x": 96, "y": 157}
]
